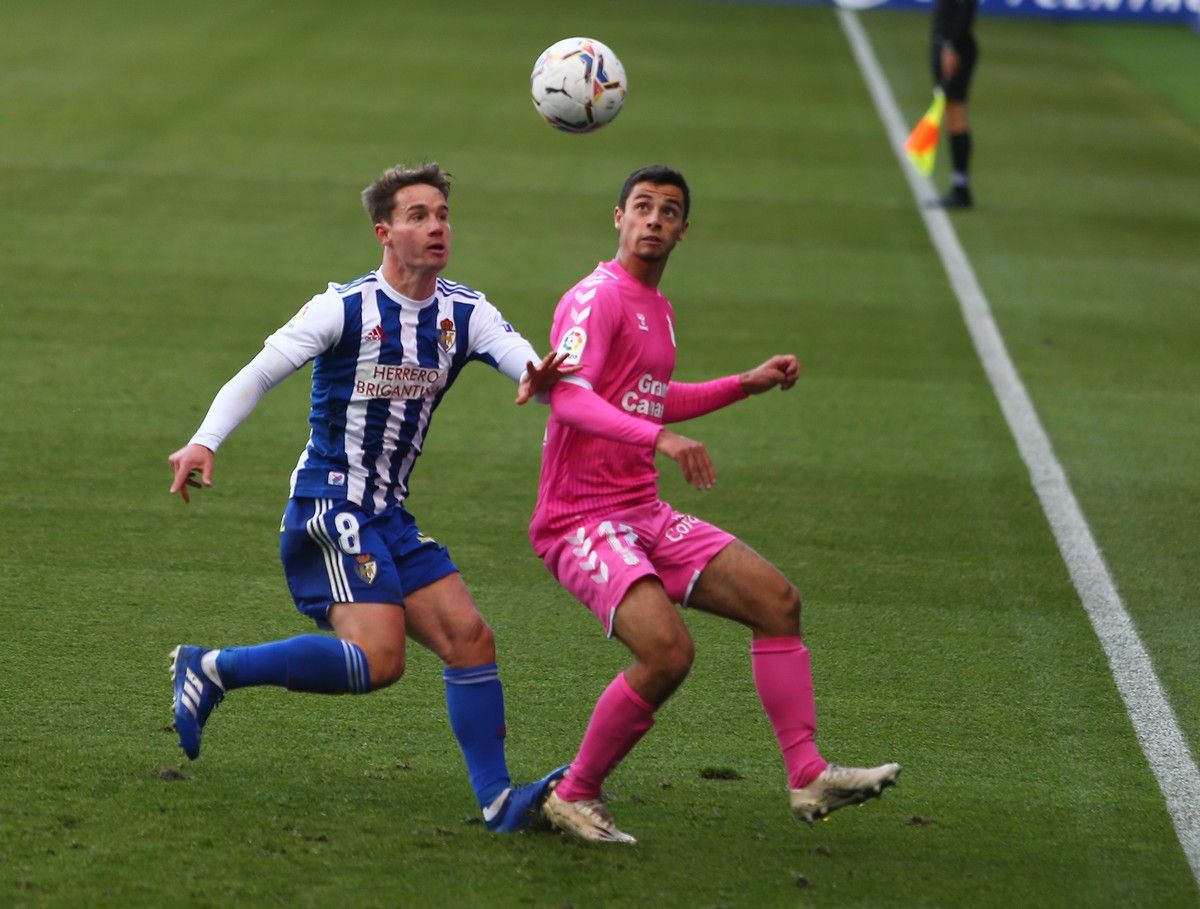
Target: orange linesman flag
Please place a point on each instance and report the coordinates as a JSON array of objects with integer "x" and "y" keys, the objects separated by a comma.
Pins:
[{"x": 922, "y": 142}]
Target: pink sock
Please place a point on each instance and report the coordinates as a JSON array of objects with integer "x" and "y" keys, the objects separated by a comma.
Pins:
[
  {"x": 783, "y": 677},
  {"x": 620, "y": 719}
]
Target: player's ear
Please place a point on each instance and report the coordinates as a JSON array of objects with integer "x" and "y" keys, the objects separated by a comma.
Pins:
[
  {"x": 381, "y": 232},
  {"x": 617, "y": 215}
]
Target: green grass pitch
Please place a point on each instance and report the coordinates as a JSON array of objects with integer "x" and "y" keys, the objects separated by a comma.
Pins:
[{"x": 175, "y": 180}]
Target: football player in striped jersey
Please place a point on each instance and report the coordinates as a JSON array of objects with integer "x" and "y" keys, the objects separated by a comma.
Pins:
[{"x": 385, "y": 349}]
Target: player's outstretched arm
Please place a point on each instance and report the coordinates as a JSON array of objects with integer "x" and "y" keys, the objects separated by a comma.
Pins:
[
  {"x": 233, "y": 403},
  {"x": 692, "y": 457},
  {"x": 539, "y": 379},
  {"x": 782, "y": 370},
  {"x": 192, "y": 466}
]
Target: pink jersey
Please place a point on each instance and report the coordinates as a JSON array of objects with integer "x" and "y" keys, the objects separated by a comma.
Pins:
[{"x": 622, "y": 333}]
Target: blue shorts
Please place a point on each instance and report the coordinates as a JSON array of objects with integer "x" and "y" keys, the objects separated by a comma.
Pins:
[{"x": 334, "y": 553}]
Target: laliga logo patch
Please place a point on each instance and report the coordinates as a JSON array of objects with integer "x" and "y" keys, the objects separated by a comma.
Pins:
[
  {"x": 366, "y": 568},
  {"x": 572, "y": 344},
  {"x": 446, "y": 339},
  {"x": 300, "y": 315}
]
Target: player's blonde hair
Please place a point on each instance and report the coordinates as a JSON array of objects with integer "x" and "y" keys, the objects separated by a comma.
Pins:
[{"x": 379, "y": 199}]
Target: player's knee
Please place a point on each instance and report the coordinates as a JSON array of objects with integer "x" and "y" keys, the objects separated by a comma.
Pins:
[
  {"x": 781, "y": 612},
  {"x": 385, "y": 665},
  {"x": 792, "y": 605},
  {"x": 682, "y": 658},
  {"x": 482, "y": 644},
  {"x": 673, "y": 659},
  {"x": 473, "y": 645}
]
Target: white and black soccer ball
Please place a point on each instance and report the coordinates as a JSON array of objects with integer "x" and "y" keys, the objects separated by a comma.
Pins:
[{"x": 578, "y": 85}]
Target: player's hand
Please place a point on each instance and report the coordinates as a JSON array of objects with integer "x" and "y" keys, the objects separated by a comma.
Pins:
[
  {"x": 782, "y": 370},
  {"x": 192, "y": 466},
  {"x": 949, "y": 63},
  {"x": 540, "y": 379},
  {"x": 693, "y": 458}
]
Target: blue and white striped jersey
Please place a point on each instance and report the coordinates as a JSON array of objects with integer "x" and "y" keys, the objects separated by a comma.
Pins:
[{"x": 382, "y": 364}]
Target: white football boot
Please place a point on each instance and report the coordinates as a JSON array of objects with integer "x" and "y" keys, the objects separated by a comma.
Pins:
[
  {"x": 837, "y": 787},
  {"x": 586, "y": 820}
]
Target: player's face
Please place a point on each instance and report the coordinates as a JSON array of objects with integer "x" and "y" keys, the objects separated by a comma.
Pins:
[
  {"x": 418, "y": 236},
  {"x": 652, "y": 221}
]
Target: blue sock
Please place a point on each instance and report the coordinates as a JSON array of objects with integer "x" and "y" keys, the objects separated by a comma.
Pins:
[
  {"x": 310, "y": 662},
  {"x": 475, "y": 701}
]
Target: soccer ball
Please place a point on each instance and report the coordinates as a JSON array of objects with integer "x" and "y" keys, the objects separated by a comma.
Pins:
[{"x": 578, "y": 85}]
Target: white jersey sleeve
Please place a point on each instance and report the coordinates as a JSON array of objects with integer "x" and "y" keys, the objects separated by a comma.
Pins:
[
  {"x": 240, "y": 395},
  {"x": 313, "y": 330},
  {"x": 496, "y": 341}
]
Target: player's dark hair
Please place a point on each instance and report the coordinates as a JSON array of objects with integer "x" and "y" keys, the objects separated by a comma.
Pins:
[
  {"x": 659, "y": 175},
  {"x": 379, "y": 199}
]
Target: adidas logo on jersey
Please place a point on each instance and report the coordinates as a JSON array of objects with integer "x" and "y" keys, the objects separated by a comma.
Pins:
[{"x": 375, "y": 334}]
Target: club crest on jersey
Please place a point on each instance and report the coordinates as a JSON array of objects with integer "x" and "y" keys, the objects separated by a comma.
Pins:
[
  {"x": 366, "y": 567},
  {"x": 572, "y": 344},
  {"x": 446, "y": 338}
]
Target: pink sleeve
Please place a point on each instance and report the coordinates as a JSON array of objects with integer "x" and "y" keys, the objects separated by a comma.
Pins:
[
  {"x": 686, "y": 400},
  {"x": 581, "y": 408}
]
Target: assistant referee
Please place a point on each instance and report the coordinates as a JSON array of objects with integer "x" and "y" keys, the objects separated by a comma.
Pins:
[{"x": 953, "y": 53}]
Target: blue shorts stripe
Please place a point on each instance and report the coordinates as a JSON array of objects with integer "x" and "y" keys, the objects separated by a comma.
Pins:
[
  {"x": 338, "y": 583},
  {"x": 316, "y": 530}
]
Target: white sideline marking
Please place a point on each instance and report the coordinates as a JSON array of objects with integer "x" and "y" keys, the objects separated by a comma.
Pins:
[{"x": 1154, "y": 721}]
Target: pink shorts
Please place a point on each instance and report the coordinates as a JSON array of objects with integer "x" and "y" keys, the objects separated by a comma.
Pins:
[{"x": 600, "y": 559}]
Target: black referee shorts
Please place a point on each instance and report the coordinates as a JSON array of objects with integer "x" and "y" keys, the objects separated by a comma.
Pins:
[{"x": 956, "y": 89}]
